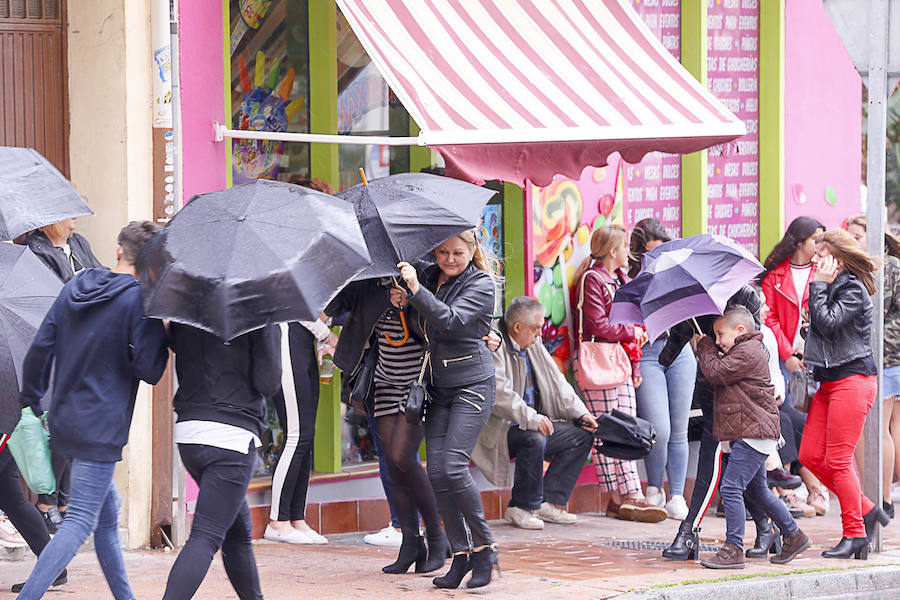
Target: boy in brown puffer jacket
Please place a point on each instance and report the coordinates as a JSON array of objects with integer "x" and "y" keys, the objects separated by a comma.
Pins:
[{"x": 745, "y": 413}]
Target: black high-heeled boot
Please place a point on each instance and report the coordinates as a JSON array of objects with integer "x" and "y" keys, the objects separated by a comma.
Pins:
[
  {"x": 458, "y": 569},
  {"x": 876, "y": 515},
  {"x": 483, "y": 563},
  {"x": 685, "y": 546},
  {"x": 768, "y": 540},
  {"x": 438, "y": 551},
  {"x": 857, "y": 547},
  {"x": 412, "y": 550}
]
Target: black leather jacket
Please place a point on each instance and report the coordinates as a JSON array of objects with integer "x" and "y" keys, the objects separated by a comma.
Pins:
[
  {"x": 682, "y": 333},
  {"x": 55, "y": 258},
  {"x": 452, "y": 322},
  {"x": 840, "y": 322}
]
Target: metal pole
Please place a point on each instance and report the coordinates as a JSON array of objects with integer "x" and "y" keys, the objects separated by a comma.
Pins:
[{"x": 875, "y": 217}]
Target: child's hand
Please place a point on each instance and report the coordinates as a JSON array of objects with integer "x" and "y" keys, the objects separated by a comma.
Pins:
[{"x": 696, "y": 340}]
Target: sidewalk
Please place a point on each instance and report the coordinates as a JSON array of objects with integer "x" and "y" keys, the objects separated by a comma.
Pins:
[{"x": 597, "y": 558}]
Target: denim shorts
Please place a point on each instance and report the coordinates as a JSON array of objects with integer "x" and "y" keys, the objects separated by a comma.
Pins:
[{"x": 890, "y": 382}]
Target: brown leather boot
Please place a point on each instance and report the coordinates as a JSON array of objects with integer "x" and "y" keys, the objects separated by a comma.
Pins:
[
  {"x": 729, "y": 556},
  {"x": 792, "y": 545}
]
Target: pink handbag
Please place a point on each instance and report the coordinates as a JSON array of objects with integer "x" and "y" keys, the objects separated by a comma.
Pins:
[{"x": 600, "y": 365}]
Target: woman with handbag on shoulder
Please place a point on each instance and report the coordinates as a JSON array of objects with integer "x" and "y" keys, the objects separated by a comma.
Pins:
[
  {"x": 604, "y": 372},
  {"x": 453, "y": 307}
]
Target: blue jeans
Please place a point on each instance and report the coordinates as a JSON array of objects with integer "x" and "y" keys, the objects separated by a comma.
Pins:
[
  {"x": 383, "y": 471},
  {"x": 747, "y": 471},
  {"x": 93, "y": 508},
  {"x": 567, "y": 449},
  {"x": 664, "y": 399}
]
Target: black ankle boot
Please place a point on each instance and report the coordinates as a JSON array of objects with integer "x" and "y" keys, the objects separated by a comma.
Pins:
[
  {"x": 876, "y": 515},
  {"x": 412, "y": 550},
  {"x": 685, "y": 546},
  {"x": 768, "y": 540},
  {"x": 483, "y": 563},
  {"x": 438, "y": 551},
  {"x": 888, "y": 508},
  {"x": 856, "y": 547},
  {"x": 62, "y": 579},
  {"x": 458, "y": 569}
]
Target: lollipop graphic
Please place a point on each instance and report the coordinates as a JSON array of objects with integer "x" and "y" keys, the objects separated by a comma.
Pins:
[{"x": 264, "y": 107}]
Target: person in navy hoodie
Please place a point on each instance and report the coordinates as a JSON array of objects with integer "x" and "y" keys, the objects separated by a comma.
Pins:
[{"x": 97, "y": 340}]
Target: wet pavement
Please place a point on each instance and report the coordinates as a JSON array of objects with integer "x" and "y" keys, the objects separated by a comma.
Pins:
[{"x": 598, "y": 557}]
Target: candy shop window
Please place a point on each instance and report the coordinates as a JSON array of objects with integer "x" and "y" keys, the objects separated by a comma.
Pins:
[
  {"x": 366, "y": 106},
  {"x": 269, "y": 46}
]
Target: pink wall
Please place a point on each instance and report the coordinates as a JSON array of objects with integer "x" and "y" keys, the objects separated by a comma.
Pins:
[
  {"x": 202, "y": 97},
  {"x": 823, "y": 121}
]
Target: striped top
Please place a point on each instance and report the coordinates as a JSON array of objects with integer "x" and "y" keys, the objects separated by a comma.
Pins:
[{"x": 397, "y": 367}]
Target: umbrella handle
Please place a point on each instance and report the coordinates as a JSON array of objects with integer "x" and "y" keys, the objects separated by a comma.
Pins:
[
  {"x": 405, "y": 333},
  {"x": 696, "y": 326},
  {"x": 362, "y": 174}
]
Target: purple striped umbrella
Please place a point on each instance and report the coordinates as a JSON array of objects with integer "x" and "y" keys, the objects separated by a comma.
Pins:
[{"x": 682, "y": 279}]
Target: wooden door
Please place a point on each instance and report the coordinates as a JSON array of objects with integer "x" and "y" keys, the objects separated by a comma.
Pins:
[{"x": 34, "y": 109}]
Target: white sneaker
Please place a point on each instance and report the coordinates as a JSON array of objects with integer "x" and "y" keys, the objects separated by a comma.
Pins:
[
  {"x": 895, "y": 492},
  {"x": 523, "y": 519},
  {"x": 677, "y": 508},
  {"x": 315, "y": 537},
  {"x": 385, "y": 537},
  {"x": 655, "y": 496},
  {"x": 554, "y": 514},
  {"x": 288, "y": 537}
]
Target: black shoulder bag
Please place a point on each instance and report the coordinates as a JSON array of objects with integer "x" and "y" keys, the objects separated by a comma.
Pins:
[{"x": 418, "y": 398}]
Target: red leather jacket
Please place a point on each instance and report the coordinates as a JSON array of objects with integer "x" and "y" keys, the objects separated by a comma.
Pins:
[
  {"x": 597, "y": 302},
  {"x": 783, "y": 305}
]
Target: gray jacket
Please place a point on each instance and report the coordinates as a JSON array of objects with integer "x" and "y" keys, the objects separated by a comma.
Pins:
[
  {"x": 840, "y": 322},
  {"x": 558, "y": 402}
]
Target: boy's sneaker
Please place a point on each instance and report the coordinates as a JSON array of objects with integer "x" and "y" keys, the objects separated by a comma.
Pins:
[
  {"x": 554, "y": 514},
  {"x": 523, "y": 519},
  {"x": 386, "y": 537},
  {"x": 729, "y": 556}
]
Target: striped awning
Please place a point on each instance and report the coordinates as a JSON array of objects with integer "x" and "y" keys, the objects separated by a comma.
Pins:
[{"x": 525, "y": 89}]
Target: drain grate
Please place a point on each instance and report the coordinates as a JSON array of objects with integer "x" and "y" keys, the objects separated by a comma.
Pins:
[{"x": 656, "y": 546}]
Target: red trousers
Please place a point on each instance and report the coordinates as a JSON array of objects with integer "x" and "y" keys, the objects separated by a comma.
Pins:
[{"x": 833, "y": 426}]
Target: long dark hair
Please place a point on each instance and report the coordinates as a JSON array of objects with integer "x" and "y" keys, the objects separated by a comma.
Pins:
[
  {"x": 797, "y": 232},
  {"x": 645, "y": 230}
]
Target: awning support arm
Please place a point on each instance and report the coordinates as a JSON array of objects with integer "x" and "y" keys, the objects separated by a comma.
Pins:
[{"x": 220, "y": 132}]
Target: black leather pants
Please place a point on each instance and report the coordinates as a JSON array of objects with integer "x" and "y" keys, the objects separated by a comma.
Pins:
[{"x": 453, "y": 421}]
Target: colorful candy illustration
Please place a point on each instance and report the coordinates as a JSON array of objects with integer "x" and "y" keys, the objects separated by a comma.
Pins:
[{"x": 265, "y": 106}]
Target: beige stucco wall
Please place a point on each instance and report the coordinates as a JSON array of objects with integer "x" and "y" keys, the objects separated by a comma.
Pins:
[{"x": 110, "y": 157}]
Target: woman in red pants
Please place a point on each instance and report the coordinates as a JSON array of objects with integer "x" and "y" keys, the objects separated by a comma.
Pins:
[{"x": 839, "y": 349}]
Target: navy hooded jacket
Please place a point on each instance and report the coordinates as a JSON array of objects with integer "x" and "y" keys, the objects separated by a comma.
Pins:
[{"x": 100, "y": 345}]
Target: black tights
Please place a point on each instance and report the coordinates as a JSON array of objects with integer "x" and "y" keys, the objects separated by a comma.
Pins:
[{"x": 410, "y": 489}]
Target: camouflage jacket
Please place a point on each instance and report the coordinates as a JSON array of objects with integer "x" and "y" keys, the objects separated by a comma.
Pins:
[{"x": 891, "y": 311}]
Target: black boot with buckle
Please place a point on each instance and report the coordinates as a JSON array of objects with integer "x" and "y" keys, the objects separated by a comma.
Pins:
[
  {"x": 686, "y": 544},
  {"x": 768, "y": 540}
]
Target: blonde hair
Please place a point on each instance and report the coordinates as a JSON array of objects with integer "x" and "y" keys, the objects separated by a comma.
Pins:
[
  {"x": 482, "y": 256},
  {"x": 843, "y": 246},
  {"x": 603, "y": 241},
  {"x": 891, "y": 242},
  {"x": 57, "y": 230}
]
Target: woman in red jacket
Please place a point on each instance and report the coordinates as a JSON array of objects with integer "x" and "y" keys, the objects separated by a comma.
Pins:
[
  {"x": 600, "y": 275},
  {"x": 789, "y": 269}
]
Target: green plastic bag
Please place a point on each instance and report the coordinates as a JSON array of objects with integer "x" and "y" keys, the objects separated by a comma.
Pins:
[{"x": 29, "y": 444}]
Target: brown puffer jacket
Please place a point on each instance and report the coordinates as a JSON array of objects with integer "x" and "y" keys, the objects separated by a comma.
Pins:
[{"x": 744, "y": 404}]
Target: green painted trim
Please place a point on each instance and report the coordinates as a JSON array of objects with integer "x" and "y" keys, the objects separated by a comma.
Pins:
[
  {"x": 694, "y": 52},
  {"x": 323, "y": 158},
  {"x": 771, "y": 124},
  {"x": 514, "y": 240},
  {"x": 226, "y": 53},
  {"x": 420, "y": 157},
  {"x": 327, "y": 440}
]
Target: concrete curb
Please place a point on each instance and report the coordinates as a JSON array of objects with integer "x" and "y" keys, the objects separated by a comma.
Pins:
[{"x": 817, "y": 584}]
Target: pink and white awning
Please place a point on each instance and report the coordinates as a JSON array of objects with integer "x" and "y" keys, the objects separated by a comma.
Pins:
[{"x": 526, "y": 89}]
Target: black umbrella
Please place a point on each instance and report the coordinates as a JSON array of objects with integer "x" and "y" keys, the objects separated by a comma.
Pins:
[
  {"x": 405, "y": 216},
  {"x": 27, "y": 289},
  {"x": 33, "y": 193},
  {"x": 259, "y": 253}
]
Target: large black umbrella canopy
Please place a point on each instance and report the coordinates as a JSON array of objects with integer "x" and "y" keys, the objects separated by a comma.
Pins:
[
  {"x": 258, "y": 253},
  {"x": 405, "y": 216},
  {"x": 33, "y": 193},
  {"x": 27, "y": 290}
]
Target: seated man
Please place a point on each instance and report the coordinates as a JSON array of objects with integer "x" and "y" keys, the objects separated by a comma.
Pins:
[{"x": 533, "y": 421}]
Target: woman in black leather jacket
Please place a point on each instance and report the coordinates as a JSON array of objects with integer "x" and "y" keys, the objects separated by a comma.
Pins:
[
  {"x": 838, "y": 348},
  {"x": 453, "y": 308}
]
